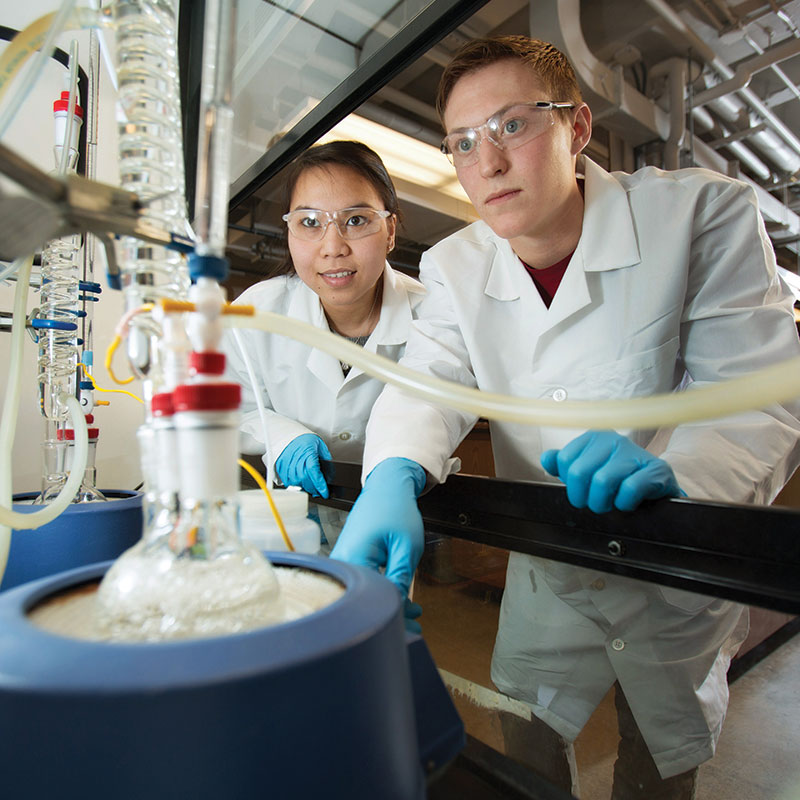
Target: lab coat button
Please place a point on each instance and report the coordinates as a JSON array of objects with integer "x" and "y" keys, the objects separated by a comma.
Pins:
[
  {"x": 618, "y": 644},
  {"x": 344, "y": 436},
  {"x": 559, "y": 395},
  {"x": 599, "y": 584}
]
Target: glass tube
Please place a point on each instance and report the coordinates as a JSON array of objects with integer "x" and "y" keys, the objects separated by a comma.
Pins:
[{"x": 150, "y": 156}]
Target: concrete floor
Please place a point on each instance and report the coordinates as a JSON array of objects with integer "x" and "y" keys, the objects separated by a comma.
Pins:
[{"x": 758, "y": 756}]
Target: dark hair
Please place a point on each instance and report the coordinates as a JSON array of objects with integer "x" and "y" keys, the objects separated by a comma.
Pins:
[
  {"x": 548, "y": 62},
  {"x": 351, "y": 155}
]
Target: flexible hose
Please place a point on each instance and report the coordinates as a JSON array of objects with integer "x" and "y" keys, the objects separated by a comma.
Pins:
[
  {"x": 11, "y": 405},
  {"x": 20, "y": 521},
  {"x": 39, "y": 35},
  {"x": 9, "y": 270},
  {"x": 759, "y": 389},
  {"x": 12, "y": 519}
]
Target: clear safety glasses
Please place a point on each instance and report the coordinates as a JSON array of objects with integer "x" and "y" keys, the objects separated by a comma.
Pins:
[
  {"x": 352, "y": 223},
  {"x": 507, "y": 129}
]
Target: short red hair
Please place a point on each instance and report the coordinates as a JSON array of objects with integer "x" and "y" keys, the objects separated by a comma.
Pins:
[{"x": 548, "y": 62}]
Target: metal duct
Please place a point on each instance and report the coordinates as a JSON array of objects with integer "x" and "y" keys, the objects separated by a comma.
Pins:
[
  {"x": 669, "y": 15},
  {"x": 614, "y": 102},
  {"x": 731, "y": 109}
]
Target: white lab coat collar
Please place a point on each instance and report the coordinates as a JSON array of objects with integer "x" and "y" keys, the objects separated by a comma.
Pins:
[
  {"x": 395, "y": 320},
  {"x": 608, "y": 241},
  {"x": 392, "y": 328}
]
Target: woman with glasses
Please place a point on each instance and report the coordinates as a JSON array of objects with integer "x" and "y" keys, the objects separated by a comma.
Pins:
[{"x": 341, "y": 217}]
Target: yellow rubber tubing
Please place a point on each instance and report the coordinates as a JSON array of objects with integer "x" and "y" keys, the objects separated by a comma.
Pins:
[{"x": 773, "y": 384}]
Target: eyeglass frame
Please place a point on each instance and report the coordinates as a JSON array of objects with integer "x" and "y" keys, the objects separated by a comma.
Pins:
[
  {"x": 331, "y": 217},
  {"x": 477, "y": 130}
]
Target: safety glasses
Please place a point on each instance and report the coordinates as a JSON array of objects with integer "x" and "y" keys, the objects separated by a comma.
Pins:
[
  {"x": 311, "y": 224},
  {"x": 509, "y": 128}
]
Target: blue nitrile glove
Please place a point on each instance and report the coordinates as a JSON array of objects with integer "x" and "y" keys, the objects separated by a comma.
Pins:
[
  {"x": 603, "y": 469},
  {"x": 298, "y": 464},
  {"x": 384, "y": 527},
  {"x": 412, "y": 612}
]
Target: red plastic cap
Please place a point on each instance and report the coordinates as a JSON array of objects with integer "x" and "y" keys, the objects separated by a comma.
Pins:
[
  {"x": 68, "y": 435},
  {"x": 209, "y": 362},
  {"x": 207, "y": 397},
  {"x": 63, "y": 105},
  {"x": 161, "y": 405}
]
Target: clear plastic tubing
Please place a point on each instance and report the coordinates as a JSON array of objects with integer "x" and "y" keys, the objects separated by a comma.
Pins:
[
  {"x": 773, "y": 384},
  {"x": 216, "y": 129},
  {"x": 61, "y": 268},
  {"x": 150, "y": 155},
  {"x": 33, "y": 38},
  {"x": 15, "y": 519}
]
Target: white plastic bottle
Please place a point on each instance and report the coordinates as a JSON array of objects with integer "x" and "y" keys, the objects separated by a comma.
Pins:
[{"x": 260, "y": 529}]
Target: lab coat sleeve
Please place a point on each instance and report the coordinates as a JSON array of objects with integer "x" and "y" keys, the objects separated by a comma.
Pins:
[
  {"x": 280, "y": 430},
  {"x": 737, "y": 319},
  {"x": 406, "y": 426}
]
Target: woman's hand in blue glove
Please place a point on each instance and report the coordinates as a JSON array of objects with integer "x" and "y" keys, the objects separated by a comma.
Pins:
[
  {"x": 603, "y": 469},
  {"x": 411, "y": 613},
  {"x": 384, "y": 527},
  {"x": 298, "y": 464}
]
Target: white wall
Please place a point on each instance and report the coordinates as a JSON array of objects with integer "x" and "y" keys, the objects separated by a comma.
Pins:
[{"x": 32, "y": 136}]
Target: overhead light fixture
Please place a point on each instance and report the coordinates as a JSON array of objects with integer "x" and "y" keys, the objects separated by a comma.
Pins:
[
  {"x": 404, "y": 156},
  {"x": 422, "y": 174}
]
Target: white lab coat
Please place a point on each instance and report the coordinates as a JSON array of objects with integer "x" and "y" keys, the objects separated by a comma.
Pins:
[
  {"x": 673, "y": 279},
  {"x": 304, "y": 389}
]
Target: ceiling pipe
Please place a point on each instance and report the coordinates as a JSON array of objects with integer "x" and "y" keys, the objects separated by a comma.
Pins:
[
  {"x": 676, "y": 71},
  {"x": 705, "y": 122},
  {"x": 669, "y": 15},
  {"x": 389, "y": 119},
  {"x": 624, "y": 110},
  {"x": 730, "y": 108},
  {"x": 409, "y": 103},
  {"x": 726, "y": 11},
  {"x": 746, "y": 69},
  {"x": 785, "y": 79},
  {"x": 620, "y": 107}
]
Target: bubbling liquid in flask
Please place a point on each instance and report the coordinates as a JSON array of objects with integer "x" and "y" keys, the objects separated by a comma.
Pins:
[
  {"x": 150, "y": 595},
  {"x": 191, "y": 575}
]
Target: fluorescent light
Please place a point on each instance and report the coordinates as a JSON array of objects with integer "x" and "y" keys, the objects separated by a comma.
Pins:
[
  {"x": 408, "y": 161},
  {"x": 404, "y": 156}
]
